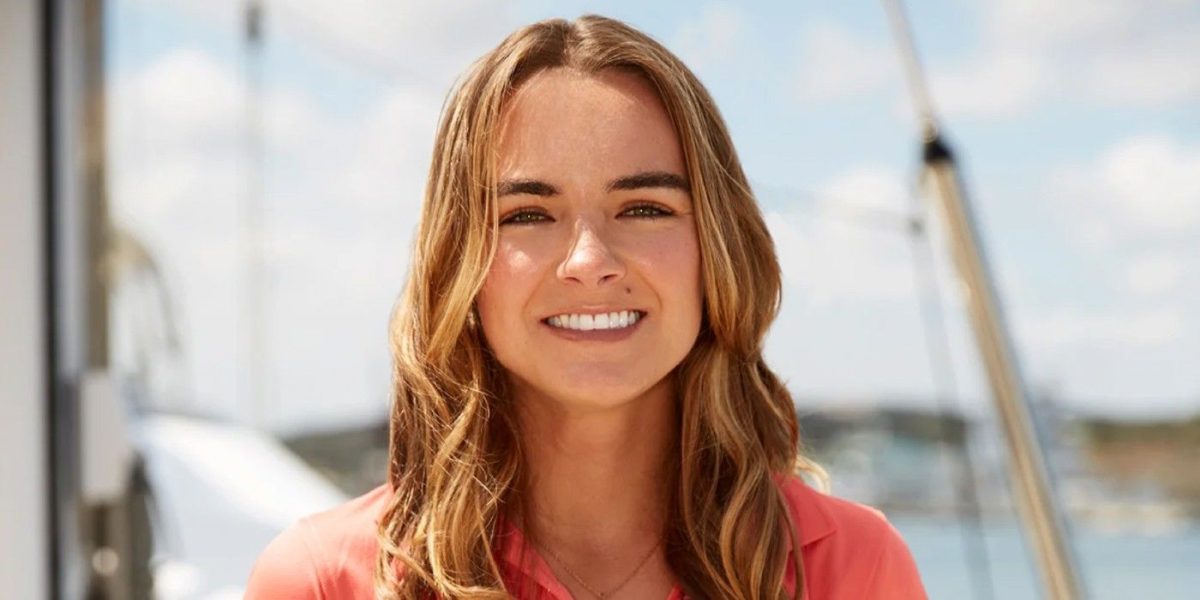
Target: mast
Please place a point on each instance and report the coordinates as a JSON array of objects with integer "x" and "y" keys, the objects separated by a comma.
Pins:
[
  {"x": 253, "y": 241},
  {"x": 28, "y": 528},
  {"x": 1040, "y": 515}
]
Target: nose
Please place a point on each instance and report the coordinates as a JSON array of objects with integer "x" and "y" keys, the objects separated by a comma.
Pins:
[{"x": 589, "y": 260}]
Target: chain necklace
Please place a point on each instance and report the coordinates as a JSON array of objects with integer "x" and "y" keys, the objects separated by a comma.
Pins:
[{"x": 598, "y": 594}]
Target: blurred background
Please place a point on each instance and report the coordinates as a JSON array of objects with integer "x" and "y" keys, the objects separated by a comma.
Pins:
[{"x": 256, "y": 169}]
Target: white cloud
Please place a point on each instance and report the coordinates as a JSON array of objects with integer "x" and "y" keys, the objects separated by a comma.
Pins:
[
  {"x": 1112, "y": 52},
  {"x": 1154, "y": 275},
  {"x": 835, "y": 63},
  {"x": 1039, "y": 24},
  {"x": 714, "y": 38},
  {"x": 864, "y": 188},
  {"x": 830, "y": 256},
  {"x": 1142, "y": 186},
  {"x": 1000, "y": 80},
  {"x": 185, "y": 87},
  {"x": 1117, "y": 52},
  {"x": 426, "y": 42},
  {"x": 342, "y": 198},
  {"x": 1154, "y": 71},
  {"x": 832, "y": 262},
  {"x": 437, "y": 34},
  {"x": 292, "y": 124},
  {"x": 186, "y": 99},
  {"x": 1122, "y": 330},
  {"x": 1135, "y": 360},
  {"x": 999, "y": 84},
  {"x": 395, "y": 149}
]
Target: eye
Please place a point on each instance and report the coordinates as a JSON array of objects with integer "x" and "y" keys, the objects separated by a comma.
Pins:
[
  {"x": 524, "y": 216},
  {"x": 646, "y": 210}
]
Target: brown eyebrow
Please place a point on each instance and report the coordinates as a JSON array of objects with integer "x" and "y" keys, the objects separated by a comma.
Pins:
[
  {"x": 648, "y": 179},
  {"x": 525, "y": 186}
]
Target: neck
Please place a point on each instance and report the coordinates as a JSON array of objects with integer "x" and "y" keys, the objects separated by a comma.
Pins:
[{"x": 597, "y": 477}]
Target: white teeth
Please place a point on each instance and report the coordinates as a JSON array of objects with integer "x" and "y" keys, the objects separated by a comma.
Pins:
[{"x": 581, "y": 322}]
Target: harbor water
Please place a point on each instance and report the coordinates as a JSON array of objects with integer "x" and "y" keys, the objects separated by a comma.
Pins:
[{"x": 1115, "y": 565}]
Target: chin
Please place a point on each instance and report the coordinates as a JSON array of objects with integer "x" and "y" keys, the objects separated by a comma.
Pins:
[
  {"x": 595, "y": 391},
  {"x": 583, "y": 394}
]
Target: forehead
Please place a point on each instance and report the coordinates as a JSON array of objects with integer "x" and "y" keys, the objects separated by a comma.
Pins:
[{"x": 574, "y": 124}]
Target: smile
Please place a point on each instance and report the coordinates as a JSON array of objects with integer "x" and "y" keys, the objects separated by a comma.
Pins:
[{"x": 582, "y": 322}]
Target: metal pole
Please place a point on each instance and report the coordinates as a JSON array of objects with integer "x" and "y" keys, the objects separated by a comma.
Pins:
[
  {"x": 254, "y": 332},
  {"x": 27, "y": 527},
  {"x": 1037, "y": 506},
  {"x": 1026, "y": 460}
]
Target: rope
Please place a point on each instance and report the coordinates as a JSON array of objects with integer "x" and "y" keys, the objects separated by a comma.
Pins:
[{"x": 964, "y": 475}]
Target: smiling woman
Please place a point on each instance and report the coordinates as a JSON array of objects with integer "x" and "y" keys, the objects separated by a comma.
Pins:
[
  {"x": 581, "y": 406},
  {"x": 595, "y": 218}
]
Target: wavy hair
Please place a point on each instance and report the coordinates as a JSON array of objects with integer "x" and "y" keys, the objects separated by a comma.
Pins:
[{"x": 455, "y": 462}]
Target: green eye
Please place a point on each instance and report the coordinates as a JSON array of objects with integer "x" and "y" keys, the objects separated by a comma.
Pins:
[
  {"x": 648, "y": 211},
  {"x": 524, "y": 217}
]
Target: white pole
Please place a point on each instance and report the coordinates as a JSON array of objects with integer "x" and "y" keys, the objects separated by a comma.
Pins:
[
  {"x": 24, "y": 394},
  {"x": 253, "y": 313}
]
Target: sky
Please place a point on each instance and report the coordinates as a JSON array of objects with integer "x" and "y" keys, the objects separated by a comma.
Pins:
[{"x": 1075, "y": 122}]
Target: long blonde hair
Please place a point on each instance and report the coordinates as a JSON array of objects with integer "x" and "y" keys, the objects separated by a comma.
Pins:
[{"x": 456, "y": 464}]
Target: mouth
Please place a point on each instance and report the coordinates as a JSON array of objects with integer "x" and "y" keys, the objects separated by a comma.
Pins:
[{"x": 607, "y": 321}]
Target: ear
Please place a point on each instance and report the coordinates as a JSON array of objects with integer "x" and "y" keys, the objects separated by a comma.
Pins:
[{"x": 473, "y": 317}]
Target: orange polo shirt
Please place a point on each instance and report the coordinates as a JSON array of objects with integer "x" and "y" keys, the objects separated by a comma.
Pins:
[{"x": 850, "y": 552}]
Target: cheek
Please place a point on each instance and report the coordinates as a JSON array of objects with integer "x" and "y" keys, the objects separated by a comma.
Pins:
[
  {"x": 687, "y": 265},
  {"x": 509, "y": 284},
  {"x": 672, "y": 262}
]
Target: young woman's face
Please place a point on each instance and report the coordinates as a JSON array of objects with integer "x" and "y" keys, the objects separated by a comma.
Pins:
[{"x": 594, "y": 295}]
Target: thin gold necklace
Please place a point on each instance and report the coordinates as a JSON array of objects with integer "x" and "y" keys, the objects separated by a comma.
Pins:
[{"x": 598, "y": 594}]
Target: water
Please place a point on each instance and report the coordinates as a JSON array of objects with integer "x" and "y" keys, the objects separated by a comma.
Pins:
[{"x": 1114, "y": 565}]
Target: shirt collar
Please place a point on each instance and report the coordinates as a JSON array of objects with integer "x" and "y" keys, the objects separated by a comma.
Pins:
[{"x": 809, "y": 515}]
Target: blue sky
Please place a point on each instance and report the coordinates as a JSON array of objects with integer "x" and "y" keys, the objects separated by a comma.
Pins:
[{"x": 1075, "y": 120}]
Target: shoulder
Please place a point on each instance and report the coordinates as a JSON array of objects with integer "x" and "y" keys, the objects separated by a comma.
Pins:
[
  {"x": 287, "y": 568},
  {"x": 820, "y": 515},
  {"x": 849, "y": 549},
  {"x": 330, "y": 554}
]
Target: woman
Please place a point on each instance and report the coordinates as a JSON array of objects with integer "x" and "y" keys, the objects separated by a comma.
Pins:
[{"x": 581, "y": 405}]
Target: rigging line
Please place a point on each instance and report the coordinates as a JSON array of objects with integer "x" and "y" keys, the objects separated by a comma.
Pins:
[
  {"x": 890, "y": 223},
  {"x": 919, "y": 90},
  {"x": 853, "y": 212},
  {"x": 964, "y": 474}
]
